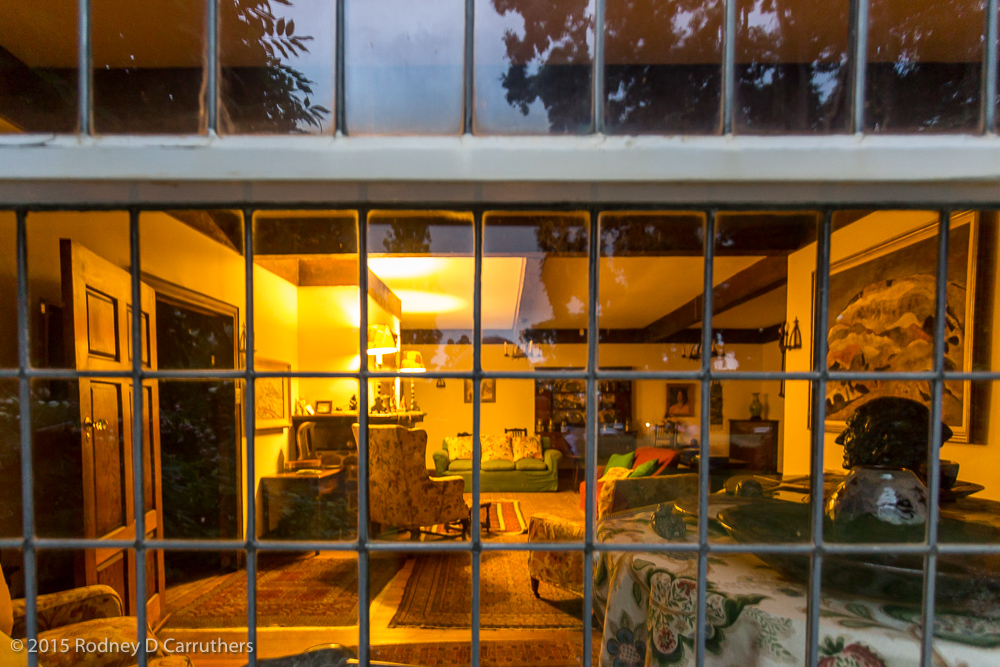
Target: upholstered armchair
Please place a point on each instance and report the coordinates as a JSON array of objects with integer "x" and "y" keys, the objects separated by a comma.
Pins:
[
  {"x": 91, "y": 614},
  {"x": 400, "y": 492}
]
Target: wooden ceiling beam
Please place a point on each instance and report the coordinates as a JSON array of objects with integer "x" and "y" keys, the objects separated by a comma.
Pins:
[{"x": 757, "y": 279}]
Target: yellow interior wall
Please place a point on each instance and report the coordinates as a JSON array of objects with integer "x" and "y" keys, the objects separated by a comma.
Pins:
[
  {"x": 448, "y": 414},
  {"x": 979, "y": 462}
]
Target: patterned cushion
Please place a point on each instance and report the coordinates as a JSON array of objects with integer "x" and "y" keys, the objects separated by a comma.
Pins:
[
  {"x": 497, "y": 448},
  {"x": 459, "y": 447},
  {"x": 605, "y": 501},
  {"x": 526, "y": 447}
]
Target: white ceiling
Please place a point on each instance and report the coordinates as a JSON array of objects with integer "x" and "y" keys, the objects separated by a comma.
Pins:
[{"x": 436, "y": 292}]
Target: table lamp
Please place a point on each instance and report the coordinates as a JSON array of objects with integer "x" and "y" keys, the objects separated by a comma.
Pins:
[
  {"x": 381, "y": 341},
  {"x": 413, "y": 362}
]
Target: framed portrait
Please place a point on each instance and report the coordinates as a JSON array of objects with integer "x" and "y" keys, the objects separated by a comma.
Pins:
[
  {"x": 487, "y": 391},
  {"x": 324, "y": 407},
  {"x": 681, "y": 398},
  {"x": 881, "y": 318},
  {"x": 272, "y": 396}
]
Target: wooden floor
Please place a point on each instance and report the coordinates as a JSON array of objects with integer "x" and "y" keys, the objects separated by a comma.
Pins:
[{"x": 272, "y": 642}]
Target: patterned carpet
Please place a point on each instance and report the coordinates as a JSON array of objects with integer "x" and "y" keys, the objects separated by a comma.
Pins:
[
  {"x": 291, "y": 591},
  {"x": 506, "y": 517},
  {"x": 438, "y": 594},
  {"x": 491, "y": 654}
]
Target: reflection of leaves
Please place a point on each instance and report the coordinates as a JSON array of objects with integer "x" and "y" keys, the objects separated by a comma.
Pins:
[
  {"x": 274, "y": 97},
  {"x": 550, "y": 61}
]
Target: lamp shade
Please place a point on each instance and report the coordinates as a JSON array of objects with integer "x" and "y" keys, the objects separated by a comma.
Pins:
[
  {"x": 381, "y": 340},
  {"x": 413, "y": 362}
]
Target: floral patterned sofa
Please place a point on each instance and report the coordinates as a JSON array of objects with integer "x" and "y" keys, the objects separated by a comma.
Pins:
[{"x": 92, "y": 614}]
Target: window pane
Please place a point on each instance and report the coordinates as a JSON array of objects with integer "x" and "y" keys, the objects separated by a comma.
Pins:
[
  {"x": 425, "y": 259},
  {"x": 8, "y": 290},
  {"x": 404, "y": 64},
  {"x": 148, "y": 66},
  {"x": 193, "y": 260},
  {"x": 755, "y": 323},
  {"x": 91, "y": 292},
  {"x": 10, "y": 459},
  {"x": 654, "y": 259},
  {"x": 663, "y": 67},
  {"x": 206, "y": 589},
  {"x": 924, "y": 66},
  {"x": 533, "y": 66},
  {"x": 535, "y": 304},
  {"x": 277, "y": 66},
  {"x": 38, "y": 67},
  {"x": 791, "y": 66}
]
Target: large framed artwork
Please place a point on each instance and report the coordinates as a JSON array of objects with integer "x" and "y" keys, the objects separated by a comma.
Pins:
[
  {"x": 272, "y": 396},
  {"x": 881, "y": 318}
]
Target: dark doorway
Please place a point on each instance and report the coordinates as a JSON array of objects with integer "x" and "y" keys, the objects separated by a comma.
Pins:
[{"x": 199, "y": 435}]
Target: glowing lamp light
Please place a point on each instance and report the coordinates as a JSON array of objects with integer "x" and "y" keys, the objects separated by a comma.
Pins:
[
  {"x": 413, "y": 362},
  {"x": 381, "y": 341}
]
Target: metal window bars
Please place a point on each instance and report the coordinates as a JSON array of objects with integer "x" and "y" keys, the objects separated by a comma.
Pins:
[
  {"x": 858, "y": 30},
  {"x": 815, "y": 549}
]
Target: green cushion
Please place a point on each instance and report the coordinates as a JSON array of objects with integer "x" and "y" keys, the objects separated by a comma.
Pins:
[
  {"x": 531, "y": 464},
  {"x": 459, "y": 465},
  {"x": 498, "y": 465},
  {"x": 646, "y": 469},
  {"x": 620, "y": 461}
]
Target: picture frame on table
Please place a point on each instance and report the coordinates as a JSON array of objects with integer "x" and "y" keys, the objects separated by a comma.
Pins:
[{"x": 324, "y": 407}]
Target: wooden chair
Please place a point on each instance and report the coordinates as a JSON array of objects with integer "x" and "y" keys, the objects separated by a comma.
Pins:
[
  {"x": 516, "y": 432},
  {"x": 307, "y": 457}
]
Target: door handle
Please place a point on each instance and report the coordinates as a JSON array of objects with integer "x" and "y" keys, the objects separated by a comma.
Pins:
[{"x": 99, "y": 425}]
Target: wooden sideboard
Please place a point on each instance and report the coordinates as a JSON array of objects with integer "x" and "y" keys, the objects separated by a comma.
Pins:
[{"x": 756, "y": 442}]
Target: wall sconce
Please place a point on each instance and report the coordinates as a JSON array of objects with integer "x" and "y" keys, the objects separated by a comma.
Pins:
[
  {"x": 789, "y": 340},
  {"x": 440, "y": 383},
  {"x": 413, "y": 362},
  {"x": 381, "y": 340}
]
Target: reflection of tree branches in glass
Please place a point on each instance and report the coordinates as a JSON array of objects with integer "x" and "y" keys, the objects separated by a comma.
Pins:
[
  {"x": 274, "y": 97},
  {"x": 663, "y": 70},
  {"x": 792, "y": 79},
  {"x": 551, "y": 61},
  {"x": 408, "y": 235}
]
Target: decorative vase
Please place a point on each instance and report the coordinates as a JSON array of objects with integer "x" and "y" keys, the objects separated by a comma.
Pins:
[
  {"x": 892, "y": 495},
  {"x": 755, "y": 406}
]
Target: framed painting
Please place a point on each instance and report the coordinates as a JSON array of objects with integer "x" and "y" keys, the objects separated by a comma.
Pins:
[
  {"x": 272, "y": 396},
  {"x": 680, "y": 399},
  {"x": 881, "y": 318},
  {"x": 487, "y": 391}
]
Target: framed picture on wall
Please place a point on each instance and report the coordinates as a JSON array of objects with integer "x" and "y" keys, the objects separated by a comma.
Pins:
[
  {"x": 487, "y": 391},
  {"x": 885, "y": 295},
  {"x": 681, "y": 398},
  {"x": 272, "y": 396}
]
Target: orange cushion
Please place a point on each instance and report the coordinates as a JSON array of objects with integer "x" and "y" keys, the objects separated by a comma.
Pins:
[{"x": 667, "y": 458}]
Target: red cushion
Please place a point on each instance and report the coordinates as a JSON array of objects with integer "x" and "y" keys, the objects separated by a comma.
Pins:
[{"x": 667, "y": 458}]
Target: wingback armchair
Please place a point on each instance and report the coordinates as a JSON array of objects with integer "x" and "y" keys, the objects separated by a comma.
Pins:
[
  {"x": 400, "y": 492},
  {"x": 90, "y": 613}
]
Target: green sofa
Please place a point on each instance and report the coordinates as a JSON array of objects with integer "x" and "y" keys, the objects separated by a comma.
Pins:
[{"x": 523, "y": 475}]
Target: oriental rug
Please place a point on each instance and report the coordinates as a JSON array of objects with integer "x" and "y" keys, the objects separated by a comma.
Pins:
[
  {"x": 291, "y": 591},
  {"x": 438, "y": 594}
]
